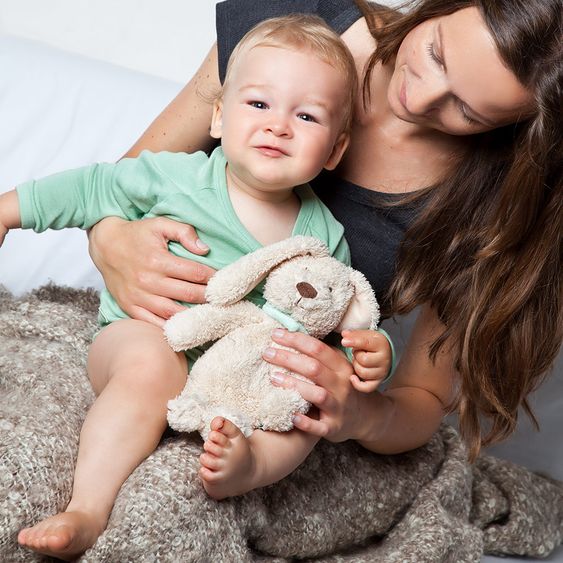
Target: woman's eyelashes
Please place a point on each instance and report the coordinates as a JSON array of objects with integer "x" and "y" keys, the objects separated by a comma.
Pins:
[
  {"x": 433, "y": 55},
  {"x": 466, "y": 117},
  {"x": 430, "y": 48}
]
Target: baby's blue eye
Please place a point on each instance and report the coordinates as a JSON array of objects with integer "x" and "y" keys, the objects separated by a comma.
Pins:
[{"x": 307, "y": 117}]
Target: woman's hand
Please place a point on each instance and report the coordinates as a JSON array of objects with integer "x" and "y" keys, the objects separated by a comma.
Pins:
[
  {"x": 141, "y": 273},
  {"x": 402, "y": 418},
  {"x": 330, "y": 391}
]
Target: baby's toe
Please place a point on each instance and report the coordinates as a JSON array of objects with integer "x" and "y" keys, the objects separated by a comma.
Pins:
[
  {"x": 230, "y": 430},
  {"x": 217, "y": 423},
  {"x": 213, "y": 448},
  {"x": 58, "y": 538},
  {"x": 208, "y": 475},
  {"x": 218, "y": 438},
  {"x": 23, "y": 536},
  {"x": 210, "y": 461},
  {"x": 32, "y": 537}
]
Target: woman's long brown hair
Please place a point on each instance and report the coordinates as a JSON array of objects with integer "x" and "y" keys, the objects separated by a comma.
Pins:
[{"x": 485, "y": 252}]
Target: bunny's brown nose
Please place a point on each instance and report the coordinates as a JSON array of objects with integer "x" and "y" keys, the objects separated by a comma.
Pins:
[{"x": 306, "y": 290}]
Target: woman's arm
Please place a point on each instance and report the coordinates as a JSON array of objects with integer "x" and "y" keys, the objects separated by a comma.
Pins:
[
  {"x": 133, "y": 257},
  {"x": 399, "y": 419},
  {"x": 183, "y": 126},
  {"x": 418, "y": 396}
]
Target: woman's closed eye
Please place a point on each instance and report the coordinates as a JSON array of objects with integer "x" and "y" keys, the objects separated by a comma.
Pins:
[
  {"x": 466, "y": 117},
  {"x": 440, "y": 62},
  {"x": 434, "y": 55}
]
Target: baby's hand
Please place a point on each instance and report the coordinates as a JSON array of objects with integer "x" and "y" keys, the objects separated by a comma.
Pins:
[
  {"x": 372, "y": 358},
  {"x": 9, "y": 213}
]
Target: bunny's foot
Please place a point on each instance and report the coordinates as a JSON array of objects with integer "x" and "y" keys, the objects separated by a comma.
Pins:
[{"x": 229, "y": 466}]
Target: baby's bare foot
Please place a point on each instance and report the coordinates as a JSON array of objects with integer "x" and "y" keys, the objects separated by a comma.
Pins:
[
  {"x": 229, "y": 465},
  {"x": 65, "y": 535}
]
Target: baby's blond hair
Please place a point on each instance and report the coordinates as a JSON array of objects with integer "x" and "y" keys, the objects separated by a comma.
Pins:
[{"x": 298, "y": 32}]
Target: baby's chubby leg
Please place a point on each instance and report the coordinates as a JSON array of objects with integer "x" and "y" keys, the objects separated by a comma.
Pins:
[
  {"x": 233, "y": 464},
  {"x": 134, "y": 373}
]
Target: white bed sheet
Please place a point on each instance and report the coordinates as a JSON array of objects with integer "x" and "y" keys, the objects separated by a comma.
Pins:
[{"x": 59, "y": 110}]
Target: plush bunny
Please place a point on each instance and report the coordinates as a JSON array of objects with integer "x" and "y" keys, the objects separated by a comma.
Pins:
[{"x": 306, "y": 289}]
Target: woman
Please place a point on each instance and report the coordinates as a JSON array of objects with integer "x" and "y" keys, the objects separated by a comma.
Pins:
[{"x": 456, "y": 150}]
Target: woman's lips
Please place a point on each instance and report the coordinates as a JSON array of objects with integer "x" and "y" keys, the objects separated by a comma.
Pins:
[{"x": 403, "y": 94}]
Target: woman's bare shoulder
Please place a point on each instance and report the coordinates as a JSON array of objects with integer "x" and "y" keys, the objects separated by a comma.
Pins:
[{"x": 360, "y": 41}]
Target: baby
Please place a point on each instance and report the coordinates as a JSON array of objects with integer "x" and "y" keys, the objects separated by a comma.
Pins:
[{"x": 283, "y": 115}]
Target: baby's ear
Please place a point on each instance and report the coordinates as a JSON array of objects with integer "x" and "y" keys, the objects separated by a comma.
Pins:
[
  {"x": 216, "y": 129},
  {"x": 338, "y": 151}
]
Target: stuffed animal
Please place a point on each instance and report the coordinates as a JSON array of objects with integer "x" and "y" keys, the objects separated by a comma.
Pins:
[{"x": 306, "y": 289}]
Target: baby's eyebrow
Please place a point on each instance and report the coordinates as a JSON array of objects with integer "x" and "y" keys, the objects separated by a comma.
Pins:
[
  {"x": 252, "y": 87},
  {"x": 318, "y": 102}
]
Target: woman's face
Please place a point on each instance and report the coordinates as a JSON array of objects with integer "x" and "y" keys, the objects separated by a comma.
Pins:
[{"x": 449, "y": 76}]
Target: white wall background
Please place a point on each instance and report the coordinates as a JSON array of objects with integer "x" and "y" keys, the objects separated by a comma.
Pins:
[{"x": 166, "y": 38}]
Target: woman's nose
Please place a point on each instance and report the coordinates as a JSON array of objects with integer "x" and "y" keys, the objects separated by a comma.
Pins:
[{"x": 427, "y": 96}]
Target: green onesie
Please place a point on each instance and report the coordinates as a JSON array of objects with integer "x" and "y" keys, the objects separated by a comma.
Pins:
[{"x": 191, "y": 188}]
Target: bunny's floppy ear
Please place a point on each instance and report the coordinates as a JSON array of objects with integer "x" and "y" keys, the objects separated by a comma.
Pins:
[
  {"x": 363, "y": 311},
  {"x": 233, "y": 282}
]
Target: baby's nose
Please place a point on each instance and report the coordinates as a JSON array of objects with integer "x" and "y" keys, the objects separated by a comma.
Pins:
[{"x": 306, "y": 290}]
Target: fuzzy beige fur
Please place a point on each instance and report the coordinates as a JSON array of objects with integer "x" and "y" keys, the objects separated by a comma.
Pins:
[{"x": 231, "y": 379}]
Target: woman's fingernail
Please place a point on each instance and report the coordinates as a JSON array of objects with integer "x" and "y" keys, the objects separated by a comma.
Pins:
[
  {"x": 296, "y": 418},
  {"x": 346, "y": 342},
  {"x": 269, "y": 353},
  {"x": 277, "y": 378},
  {"x": 201, "y": 245},
  {"x": 278, "y": 332}
]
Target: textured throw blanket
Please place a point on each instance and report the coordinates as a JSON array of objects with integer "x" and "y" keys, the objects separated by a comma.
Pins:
[{"x": 343, "y": 504}]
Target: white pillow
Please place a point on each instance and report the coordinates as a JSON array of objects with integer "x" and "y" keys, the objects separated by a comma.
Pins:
[{"x": 60, "y": 111}]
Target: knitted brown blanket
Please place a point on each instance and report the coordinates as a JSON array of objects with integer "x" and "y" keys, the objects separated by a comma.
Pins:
[{"x": 343, "y": 504}]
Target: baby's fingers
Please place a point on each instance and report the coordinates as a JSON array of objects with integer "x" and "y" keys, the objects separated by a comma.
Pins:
[
  {"x": 364, "y": 386},
  {"x": 371, "y": 360},
  {"x": 378, "y": 371},
  {"x": 369, "y": 340}
]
